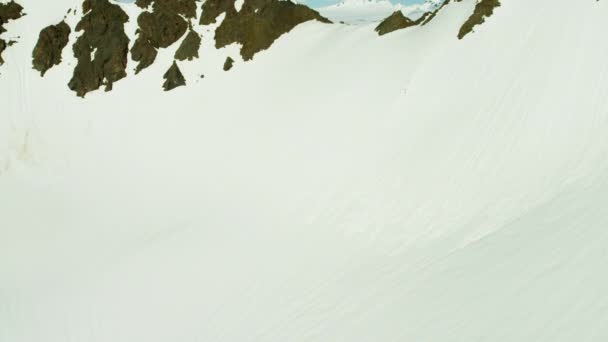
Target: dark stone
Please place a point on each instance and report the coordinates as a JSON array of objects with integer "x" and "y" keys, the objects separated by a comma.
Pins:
[
  {"x": 260, "y": 22},
  {"x": 2, "y": 48},
  {"x": 173, "y": 78},
  {"x": 484, "y": 9},
  {"x": 398, "y": 21},
  {"x": 51, "y": 42},
  {"x": 213, "y": 8},
  {"x": 430, "y": 16},
  {"x": 8, "y": 11},
  {"x": 188, "y": 50},
  {"x": 144, "y": 3},
  {"x": 160, "y": 28},
  {"x": 102, "y": 48},
  {"x": 144, "y": 53},
  {"x": 228, "y": 64},
  {"x": 187, "y": 8}
]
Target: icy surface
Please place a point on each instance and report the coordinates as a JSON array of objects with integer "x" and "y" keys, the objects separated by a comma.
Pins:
[{"x": 339, "y": 187}]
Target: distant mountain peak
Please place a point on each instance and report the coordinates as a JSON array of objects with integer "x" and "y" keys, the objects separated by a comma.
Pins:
[{"x": 370, "y": 11}]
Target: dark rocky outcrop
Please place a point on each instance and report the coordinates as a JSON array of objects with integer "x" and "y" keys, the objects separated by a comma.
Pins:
[
  {"x": 8, "y": 11},
  {"x": 228, "y": 64},
  {"x": 398, "y": 21},
  {"x": 394, "y": 22},
  {"x": 259, "y": 23},
  {"x": 433, "y": 14},
  {"x": 484, "y": 9},
  {"x": 188, "y": 50},
  {"x": 160, "y": 28},
  {"x": 3, "y": 47},
  {"x": 144, "y": 3},
  {"x": 51, "y": 42},
  {"x": 173, "y": 78},
  {"x": 187, "y": 8},
  {"x": 213, "y": 8},
  {"x": 102, "y": 48}
]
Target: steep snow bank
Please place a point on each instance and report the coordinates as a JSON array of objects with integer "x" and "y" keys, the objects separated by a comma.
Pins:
[{"x": 340, "y": 187}]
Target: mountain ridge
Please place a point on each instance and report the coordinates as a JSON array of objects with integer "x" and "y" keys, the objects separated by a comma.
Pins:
[{"x": 162, "y": 23}]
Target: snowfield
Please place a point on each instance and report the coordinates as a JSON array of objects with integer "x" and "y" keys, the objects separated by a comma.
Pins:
[
  {"x": 339, "y": 187},
  {"x": 360, "y": 12}
]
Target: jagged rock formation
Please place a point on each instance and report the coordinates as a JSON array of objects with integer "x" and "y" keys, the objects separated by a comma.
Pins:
[
  {"x": 430, "y": 16},
  {"x": 213, "y": 8},
  {"x": 102, "y": 48},
  {"x": 398, "y": 21},
  {"x": 8, "y": 11},
  {"x": 228, "y": 64},
  {"x": 259, "y": 23},
  {"x": 484, "y": 9},
  {"x": 173, "y": 78},
  {"x": 51, "y": 42},
  {"x": 160, "y": 28},
  {"x": 188, "y": 50}
]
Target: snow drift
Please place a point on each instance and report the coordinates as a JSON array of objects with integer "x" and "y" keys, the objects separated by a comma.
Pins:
[{"x": 339, "y": 187}]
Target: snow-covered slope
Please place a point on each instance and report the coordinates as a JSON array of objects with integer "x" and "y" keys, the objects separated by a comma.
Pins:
[
  {"x": 372, "y": 11},
  {"x": 339, "y": 187}
]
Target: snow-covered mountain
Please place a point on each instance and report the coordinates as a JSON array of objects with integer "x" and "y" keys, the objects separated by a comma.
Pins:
[
  {"x": 373, "y": 11},
  {"x": 336, "y": 186}
]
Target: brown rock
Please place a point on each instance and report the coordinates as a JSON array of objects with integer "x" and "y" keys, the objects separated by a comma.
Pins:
[
  {"x": 51, "y": 42},
  {"x": 8, "y": 11},
  {"x": 173, "y": 78},
  {"x": 260, "y": 22},
  {"x": 102, "y": 48},
  {"x": 188, "y": 50}
]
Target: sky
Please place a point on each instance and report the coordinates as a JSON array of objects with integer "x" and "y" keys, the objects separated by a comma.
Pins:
[{"x": 321, "y": 3}]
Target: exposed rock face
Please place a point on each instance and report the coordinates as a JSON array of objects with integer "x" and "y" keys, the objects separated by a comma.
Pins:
[
  {"x": 3, "y": 46},
  {"x": 398, "y": 21},
  {"x": 228, "y": 64},
  {"x": 8, "y": 11},
  {"x": 51, "y": 42},
  {"x": 187, "y": 8},
  {"x": 144, "y": 3},
  {"x": 160, "y": 28},
  {"x": 394, "y": 22},
  {"x": 433, "y": 14},
  {"x": 188, "y": 50},
  {"x": 173, "y": 78},
  {"x": 259, "y": 23},
  {"x": 484, "y": 9},
  {"x": 102, "y": 48},
  {"x": 213, "y": 8}
]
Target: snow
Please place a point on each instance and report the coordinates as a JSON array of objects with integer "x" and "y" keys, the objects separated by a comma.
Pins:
[
  {"x": 339, "y": 187},
  {"x": 360, "y": 12}
]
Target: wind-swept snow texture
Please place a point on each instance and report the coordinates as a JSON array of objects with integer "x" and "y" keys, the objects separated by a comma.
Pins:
[{"x": 339, "y": 187}]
